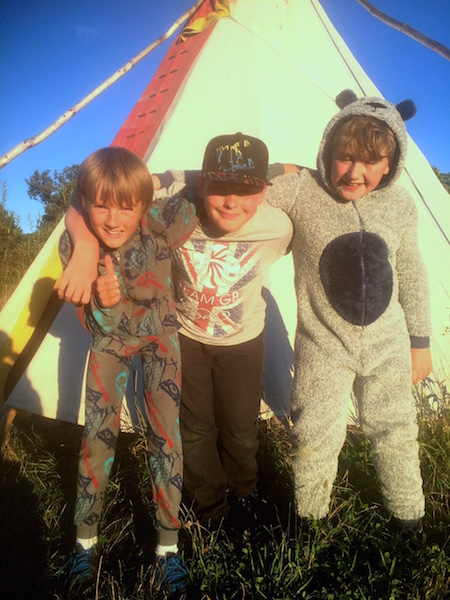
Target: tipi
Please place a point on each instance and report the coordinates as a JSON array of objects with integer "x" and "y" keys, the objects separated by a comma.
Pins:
[{"x": 269, "y": 69}]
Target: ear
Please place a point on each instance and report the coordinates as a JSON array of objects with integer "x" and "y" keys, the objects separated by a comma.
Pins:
[
  {"x": 262, "y": 194},
  {"x": 407, "y": 109},
  {"x": 345, "y": 98}
]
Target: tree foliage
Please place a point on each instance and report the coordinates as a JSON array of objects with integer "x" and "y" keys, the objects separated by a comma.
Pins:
[
  {"x": 444, "y": 178},
  {"x": 54, "y": 192},
  {"x": 18, "y": 249}
]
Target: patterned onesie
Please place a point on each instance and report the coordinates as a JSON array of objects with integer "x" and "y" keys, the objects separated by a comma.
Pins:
[{"x": 144, "y": 323}]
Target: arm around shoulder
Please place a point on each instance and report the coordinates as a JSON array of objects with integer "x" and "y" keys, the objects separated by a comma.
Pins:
[
  {"x": 172, "y": 182},
  {"x": 75, "y": 282}
]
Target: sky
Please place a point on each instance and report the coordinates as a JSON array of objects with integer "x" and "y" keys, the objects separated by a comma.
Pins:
[{"x": 55, "y": 52}]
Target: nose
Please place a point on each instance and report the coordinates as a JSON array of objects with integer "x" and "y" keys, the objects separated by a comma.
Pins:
[
  {"x": 111, "y": 218},
  {"x": 230, "y": 201},
  {"x": 356, "y": 169}
]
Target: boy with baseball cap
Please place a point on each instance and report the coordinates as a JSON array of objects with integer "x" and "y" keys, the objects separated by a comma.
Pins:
[{"x": 218, "y": 293}]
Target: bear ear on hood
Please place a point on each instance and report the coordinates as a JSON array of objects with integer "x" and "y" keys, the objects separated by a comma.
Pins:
[
  {"x": 407, "y": 109},
  {"x": 345, "y": 98}
]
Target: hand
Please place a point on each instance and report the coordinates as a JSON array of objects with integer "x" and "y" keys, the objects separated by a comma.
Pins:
[
  {"x": 107, "y": 288},
  {"x": 75, "y": 282},
  {"x": 421, "y": 364},
  {"x": 156, "y": 182},
  {"x": 290, "y": 168}
]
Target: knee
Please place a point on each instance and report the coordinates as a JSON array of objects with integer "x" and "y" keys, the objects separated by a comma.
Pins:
[{"x": 197, "y": 434}]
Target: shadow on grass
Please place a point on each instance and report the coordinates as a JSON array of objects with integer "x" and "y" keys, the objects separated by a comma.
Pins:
[
  {"x": 22, "y": 536},
  {"x": 350, "y": 554}
]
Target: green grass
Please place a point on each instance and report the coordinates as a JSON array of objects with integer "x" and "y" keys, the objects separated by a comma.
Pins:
[{"x": 351, "y": 554}]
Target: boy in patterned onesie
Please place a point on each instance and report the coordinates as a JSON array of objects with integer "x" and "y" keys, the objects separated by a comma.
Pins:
[
  {"x": 131, "y": 312},
  {"x": 363, "y": 306}
]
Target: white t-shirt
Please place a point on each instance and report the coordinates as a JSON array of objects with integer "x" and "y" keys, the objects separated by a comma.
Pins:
[{"x": 218, "y": 281}]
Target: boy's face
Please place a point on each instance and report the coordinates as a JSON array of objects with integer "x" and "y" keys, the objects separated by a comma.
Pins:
[
  {"x": 113, "y": 225},
  {"x": 228, "y": 205},
  {"x": 353, "y": 178}
]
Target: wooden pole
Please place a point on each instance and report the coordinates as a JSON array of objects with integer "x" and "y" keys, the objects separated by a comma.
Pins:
[
  {"x": 37, "y": 139},
  {"x": 406, "y": 29}
]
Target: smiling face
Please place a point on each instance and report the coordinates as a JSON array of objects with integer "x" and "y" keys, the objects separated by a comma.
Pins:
[
  {"x": 353, "y": 178},
  {"x": 228, "y": 206},
  {"x": 362, "y": 150},
  {"x": 115, "y": 189},
  {"x": 113, "y": 224}
]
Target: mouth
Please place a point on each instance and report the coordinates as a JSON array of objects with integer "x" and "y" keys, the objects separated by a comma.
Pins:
[
  {"x": 230, "y": 216},
  {"x": 351, "y": 185},
  {"x": 113, "y": 233}
]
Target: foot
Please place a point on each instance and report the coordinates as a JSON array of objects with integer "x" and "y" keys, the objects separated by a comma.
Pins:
[
  {"x": 172, "y": 574},
  {"x": 80, "y": 568},
  {"x": 246, "y": 511},
  {"x": 406, "y": 529}
]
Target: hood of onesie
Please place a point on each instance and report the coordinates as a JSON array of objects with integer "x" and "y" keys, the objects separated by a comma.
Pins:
[{"x": 379, "y": 108}]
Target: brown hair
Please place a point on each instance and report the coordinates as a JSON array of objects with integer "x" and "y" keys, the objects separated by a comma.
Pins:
[
  {"x": 118, "y": 175},
  {"x": 365, "y": 138}
]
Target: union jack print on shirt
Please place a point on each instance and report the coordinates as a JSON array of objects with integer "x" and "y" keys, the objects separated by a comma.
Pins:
[{"x": 209, "y": 281}]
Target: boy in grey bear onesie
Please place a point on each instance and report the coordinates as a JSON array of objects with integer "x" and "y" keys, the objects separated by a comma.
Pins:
[{"x": 363, "y": 306}]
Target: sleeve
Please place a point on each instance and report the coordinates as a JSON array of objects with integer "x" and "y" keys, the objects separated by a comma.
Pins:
[
  {"x": 414, "y": 295},
  {"x": 277, "y": 169},
  {"x": 100, "y": 321},
  {"x": 285, "y": 192},
  {"x": 176, "y": 217},
  {"x": 174, "y": 182},
  {"x": 65, "y": 248}
]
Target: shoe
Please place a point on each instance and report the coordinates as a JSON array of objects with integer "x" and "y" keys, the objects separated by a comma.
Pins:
[
  {"x": 406, "y": 529},
  {"x": 172, "y": 574},
  {"x": 80, "y": 567},
  {"x": 246, "y": 511}
]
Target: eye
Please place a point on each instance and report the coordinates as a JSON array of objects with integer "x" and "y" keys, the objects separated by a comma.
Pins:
[{"x": 129, "y": 209}]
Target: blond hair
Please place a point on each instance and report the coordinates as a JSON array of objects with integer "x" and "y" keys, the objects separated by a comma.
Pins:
[
  {"x": 364, "y": 138},
  {"x": 115, "y": 176}
]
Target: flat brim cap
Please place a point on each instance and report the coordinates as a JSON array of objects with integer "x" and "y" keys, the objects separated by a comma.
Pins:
[{"x": 236, "y": 158}]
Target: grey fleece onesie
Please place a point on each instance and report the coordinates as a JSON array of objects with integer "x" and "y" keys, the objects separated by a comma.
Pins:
[{"x": 362, "y": 302}]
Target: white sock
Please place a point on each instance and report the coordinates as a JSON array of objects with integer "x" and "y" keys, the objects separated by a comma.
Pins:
[
  {"x": 163, "y": 550},
  {"x": 87, "y": 543}
]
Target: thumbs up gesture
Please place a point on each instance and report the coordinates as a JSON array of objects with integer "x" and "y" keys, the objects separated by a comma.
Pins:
[{"x": 107, "y": 287}]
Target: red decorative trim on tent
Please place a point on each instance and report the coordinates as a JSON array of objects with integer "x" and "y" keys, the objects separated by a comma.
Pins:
[{"x": 143, "y": 122}]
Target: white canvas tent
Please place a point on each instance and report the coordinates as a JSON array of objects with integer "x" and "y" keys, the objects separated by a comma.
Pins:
[{"x": 269, "y": 69}]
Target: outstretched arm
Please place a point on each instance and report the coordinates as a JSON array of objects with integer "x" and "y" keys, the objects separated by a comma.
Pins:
[{"x": 75, "y": 282}]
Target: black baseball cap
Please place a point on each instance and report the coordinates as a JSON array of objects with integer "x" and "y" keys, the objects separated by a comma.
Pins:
[{"x": 236, "y": 158}]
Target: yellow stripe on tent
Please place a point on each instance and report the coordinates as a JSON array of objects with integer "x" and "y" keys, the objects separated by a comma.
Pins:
[{"x": 24, "y": 309}]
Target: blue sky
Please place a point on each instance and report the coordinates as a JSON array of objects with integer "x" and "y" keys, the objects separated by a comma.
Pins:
[{"x": 55, "y": 52}]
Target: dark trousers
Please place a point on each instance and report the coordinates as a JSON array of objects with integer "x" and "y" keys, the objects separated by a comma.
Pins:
[{"x": 220, "y": 398}]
